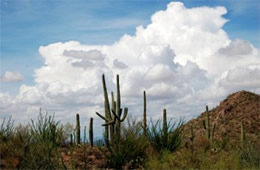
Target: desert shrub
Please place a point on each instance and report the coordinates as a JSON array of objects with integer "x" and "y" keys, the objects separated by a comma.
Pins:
[
  {"x": 161, "y": 141},
  {"x": 6, "y": 129},
  {"x": 130, "y": 150},
  {"x": 250, "y": 155}
]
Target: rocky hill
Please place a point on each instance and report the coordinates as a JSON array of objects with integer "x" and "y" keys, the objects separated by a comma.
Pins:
[{"x": 228, "y": 115}]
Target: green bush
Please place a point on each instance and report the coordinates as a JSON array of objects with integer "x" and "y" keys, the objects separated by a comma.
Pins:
[
  {"x": 130, "y": 150},
  {"x": 250, "y": 155},
  {"x": 161, "y": 141},
  {"x": 7, "y": 129}
]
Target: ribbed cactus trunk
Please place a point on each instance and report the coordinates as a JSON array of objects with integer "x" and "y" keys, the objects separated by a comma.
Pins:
[
  {"x": 209, "y": 131},
  {"x": 118, "y": 107},
  {"x": 107, "y": 110},
  {"x": 77, "y": 129},
  {"x": 165, "y": 128},
  {"x": 243, "y": 135},
  {"x": 91, "y": 132},
  {"x": 112, "y": 126},
  {"x": 144, "y": 119}
]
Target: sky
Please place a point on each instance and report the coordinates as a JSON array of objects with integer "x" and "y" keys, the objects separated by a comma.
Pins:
[{"x": 185, "y": 54}]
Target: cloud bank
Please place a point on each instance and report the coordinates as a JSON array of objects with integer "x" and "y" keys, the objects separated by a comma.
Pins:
[{"x": 183, "y": 59}]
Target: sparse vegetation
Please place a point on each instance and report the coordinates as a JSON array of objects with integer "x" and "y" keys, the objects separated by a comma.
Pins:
[{"x": 45, "y": 143}]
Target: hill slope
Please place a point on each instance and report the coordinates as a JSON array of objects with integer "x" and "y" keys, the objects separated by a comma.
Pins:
[{"x": 237, "y": 107}]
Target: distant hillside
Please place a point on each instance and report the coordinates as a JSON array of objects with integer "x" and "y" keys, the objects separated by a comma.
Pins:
[{"x": 237, "y": 107}]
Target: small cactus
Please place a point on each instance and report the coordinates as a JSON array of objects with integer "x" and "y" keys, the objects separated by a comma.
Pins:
[
  {"x": 77, "y": 129},
  {"x": 209, "y": 131},
  {"x": 144, "y": 115},
  {"x": 91, "y": 132},
  {"x": 165, "y": 127}
]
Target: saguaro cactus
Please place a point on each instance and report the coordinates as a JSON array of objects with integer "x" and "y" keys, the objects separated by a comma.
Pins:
[
  {"x": 107, "y": 116},
  {"x": 112, "y": 120},
  {"x": 209, "y": 131},
  {"x": 243, "y": 135},
  {"x": 91, "y": 132},
  {"x": 119, "y": 110},
  {"x": 144, "y": 115},
  {"x": 165, "y": 127},
  {"x": 77, "y": 129}
]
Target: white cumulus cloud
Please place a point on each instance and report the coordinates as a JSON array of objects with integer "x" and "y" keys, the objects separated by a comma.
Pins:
[{"x": 11, "y": 77}]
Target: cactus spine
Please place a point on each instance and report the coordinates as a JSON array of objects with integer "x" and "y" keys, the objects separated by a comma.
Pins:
[
  {"x": 91, "y": 132},
  {"x": 77, "y": 129},
  {"x": 144, "y": 121},
  {"x": 243, "y": 135}
]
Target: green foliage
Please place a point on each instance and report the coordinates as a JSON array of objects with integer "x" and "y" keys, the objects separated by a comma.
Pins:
[
  {"x": 167, "y": 137},
  {"x": 7, "y": 129},
  {"x": 130, "y": 150},
  {"x": 33, "y": 146},
  {"x": 250, "y": 155}
]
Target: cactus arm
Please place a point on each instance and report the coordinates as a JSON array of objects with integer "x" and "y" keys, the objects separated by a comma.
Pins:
[
  {"x": 102, "y": 117},
  {"x": 112, "y": 122},
  {"x": 116, "y": 116},
  {"x": 125, "y": 114}
]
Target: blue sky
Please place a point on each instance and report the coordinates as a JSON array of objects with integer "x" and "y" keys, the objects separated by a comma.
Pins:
[{"x": 28, "y": 24}]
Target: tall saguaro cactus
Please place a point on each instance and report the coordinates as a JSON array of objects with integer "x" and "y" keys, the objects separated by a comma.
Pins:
[
  {"x": 112, "y": 120},
  {"x": 209, "y": 131},
  {"x": 91, "y": 132},
  {"x": 119, "y": 110},
  {"x": 107, "y": 116},
  {"x": 77, "y": 129},
  {"x": 144, "y": 119}
]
